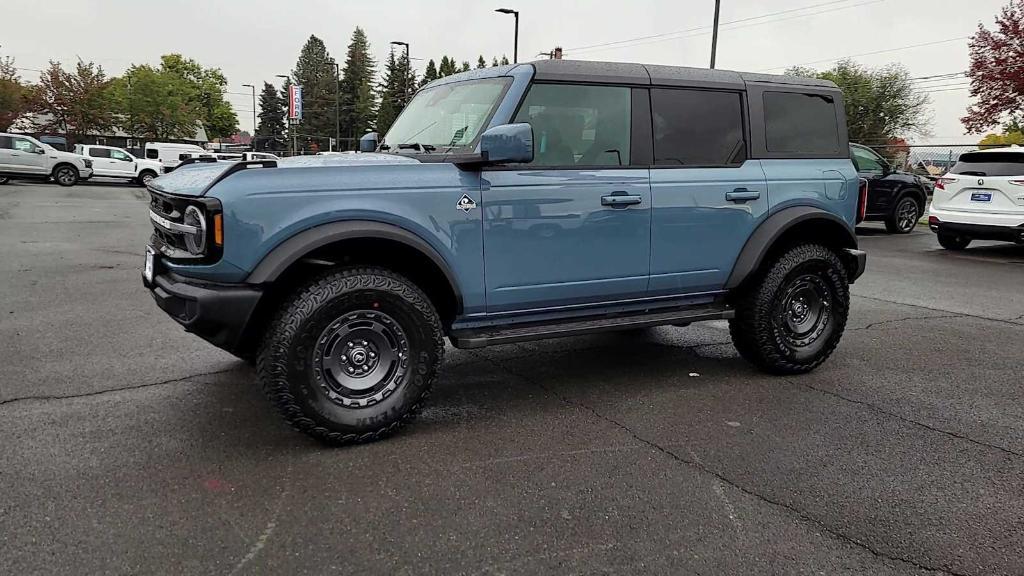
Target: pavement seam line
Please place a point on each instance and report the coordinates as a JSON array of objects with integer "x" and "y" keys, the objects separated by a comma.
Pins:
[
  {"x": 705, "y": 469},
  {"x": 1011, "y": 321},
  {"x": 111, "y": 390},
  {"x": 908, "y": 318},
  {"x": 908, "y": 420}
]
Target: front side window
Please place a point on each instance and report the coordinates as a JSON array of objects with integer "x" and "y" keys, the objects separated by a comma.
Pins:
[
  {"x": 23, "y": 145},
  {"x": 578, "y": 125},
  {"x": 801, "y": 124},
  {"x": 120, "y": 155},
  {"x": 697, "y": 128},
  {"x": 446, "y": 117},
  {"x": 867, "y": 161},
  {"x": 99, "y": 152}
]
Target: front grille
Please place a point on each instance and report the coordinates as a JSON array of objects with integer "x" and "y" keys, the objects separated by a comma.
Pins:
[{"x": 171, "y": 243}]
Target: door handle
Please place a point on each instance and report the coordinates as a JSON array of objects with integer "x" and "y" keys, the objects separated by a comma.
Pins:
[
  {"x": 620, "y": 200},
  {"x": 742, "y": 195}
]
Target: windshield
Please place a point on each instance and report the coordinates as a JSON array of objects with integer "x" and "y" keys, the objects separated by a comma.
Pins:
[
  {"x": 990, "y": 164},
  {"x": 447, "y": 116}
]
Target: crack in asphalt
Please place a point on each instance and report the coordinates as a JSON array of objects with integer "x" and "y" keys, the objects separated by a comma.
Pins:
[
  {"x": 707, "y": 470},
  {"x": 895, "y": 320},
  {"x": 44, "y": 398},
  {"x": 881, "y": 410},
  {"x": 1011, "y": 321}
]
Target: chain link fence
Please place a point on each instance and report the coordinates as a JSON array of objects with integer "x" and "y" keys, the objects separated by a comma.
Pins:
[{"x": 927, "y": 160}]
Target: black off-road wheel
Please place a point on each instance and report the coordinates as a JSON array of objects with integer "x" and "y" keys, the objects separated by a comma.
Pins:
[
  {"x": 954, "y": 242},
  {"x": 65, "y": 175},
  {"x": 790, "y": 319},
  {"x": 904, "y": 216},
  {"x": 352, "y": 355}
]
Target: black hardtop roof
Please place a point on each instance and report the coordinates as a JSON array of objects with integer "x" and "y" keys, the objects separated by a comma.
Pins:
[{"x": 653, "y": 74}]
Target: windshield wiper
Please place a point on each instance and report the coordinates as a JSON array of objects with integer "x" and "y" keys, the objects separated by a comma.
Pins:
[{"x": 417, "y": 146}]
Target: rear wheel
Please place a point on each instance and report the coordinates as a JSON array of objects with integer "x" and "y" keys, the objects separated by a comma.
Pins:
[
  {"x": 4, "y": 180},
  {"x": 352, "y": 355},
  {"x": 65, "y": 175},
  {"x": 904, "y": 216},
  {"x": 791, "y": 320},
  {"x": 954, "y": 241}
]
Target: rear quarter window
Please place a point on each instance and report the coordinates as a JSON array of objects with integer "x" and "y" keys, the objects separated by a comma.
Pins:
[
  {"x": 990, "y": 164},
  {"x": 801, "y": 123}
]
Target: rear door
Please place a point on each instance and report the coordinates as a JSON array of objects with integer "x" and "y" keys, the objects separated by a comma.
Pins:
[
  {"x": 707, "y": 195},
  {"x": 573, "y": 226},
  {"x": 989, "y": 182}
]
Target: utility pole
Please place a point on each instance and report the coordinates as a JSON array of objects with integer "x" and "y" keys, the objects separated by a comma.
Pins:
[
  {"x": 252, "y": 139},
  {"x": 714, "y": 34},
  {"x": 515, "y": 45},
  {"x": 337, "y": 105}
]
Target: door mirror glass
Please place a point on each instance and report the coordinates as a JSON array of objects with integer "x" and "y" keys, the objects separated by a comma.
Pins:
[
  {"x": 508, "y": 144},
  {"x": 368, "y": 142}
]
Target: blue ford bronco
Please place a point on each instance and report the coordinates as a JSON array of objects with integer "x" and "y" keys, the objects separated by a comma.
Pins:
[{"x": 517, "y": 203}]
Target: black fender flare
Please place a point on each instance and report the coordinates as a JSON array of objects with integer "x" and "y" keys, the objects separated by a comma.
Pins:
[
  {"x": 291, "y": 250},
  {"x": 764, "y": 237}
]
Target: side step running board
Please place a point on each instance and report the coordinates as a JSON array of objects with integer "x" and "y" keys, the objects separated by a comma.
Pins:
[{"x": 480, "y": 338}]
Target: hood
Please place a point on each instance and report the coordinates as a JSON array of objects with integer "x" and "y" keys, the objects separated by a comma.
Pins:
[{"x": 196, "y": 179}]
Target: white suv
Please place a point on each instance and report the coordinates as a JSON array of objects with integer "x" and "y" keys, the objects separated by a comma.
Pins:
[
  {"x": 25, "y": 157},
  {"x": 981, "y": 198},
  {"x": 111, "y": 162}
]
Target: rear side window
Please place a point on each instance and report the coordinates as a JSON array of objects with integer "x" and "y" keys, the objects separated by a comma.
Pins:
[
  {"x": 152, "y": 153},
  {"x": 5, "y": 143},
  {"x": 99, "y": 152},
  {"x": 798, "y": 123},
  {"x": 578, "y": 125},
  {"x": 990, "y": 164},
  {"x": 697, "y": 128}
]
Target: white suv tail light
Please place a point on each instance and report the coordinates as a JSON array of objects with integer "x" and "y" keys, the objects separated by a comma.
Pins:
[{"x": 941, "y": 182}]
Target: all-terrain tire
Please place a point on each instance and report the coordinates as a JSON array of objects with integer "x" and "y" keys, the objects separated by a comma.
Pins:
[
  {"x": 765, "y": 330},
  {"x": 904, "y": 215},
  {"x": 955, "y": 242},
  {"x": 309, "y": 392}
]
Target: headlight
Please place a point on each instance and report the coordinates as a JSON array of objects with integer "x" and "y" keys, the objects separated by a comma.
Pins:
[
  {"x": 196, "y": 243},
  {"x": 87, "y": 162}
]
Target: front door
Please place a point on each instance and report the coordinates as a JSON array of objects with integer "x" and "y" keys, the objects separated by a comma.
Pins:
[
  {"x": 26, "y": 156},
  {"x": 708, "y": 197},
  {"x": 573, "y": 226},
  {"x": 873, "y": 168},
  {"x": 122, "y": 163}
]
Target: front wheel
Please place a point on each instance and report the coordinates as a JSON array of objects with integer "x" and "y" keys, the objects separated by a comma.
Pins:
[
  {"x": 791, "y": 320},
  {"x": 954, "y": 241},
  {"x": 904, "y": 216},
  {"x": 352, "y": 355},
  {"x": 145, "y": 178},
  {"x": 4, "y": 180},
  {"x": 65, "y": 175}
]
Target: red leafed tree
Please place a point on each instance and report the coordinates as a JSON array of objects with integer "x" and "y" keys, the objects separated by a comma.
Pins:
[{"x": 997, "y": 71}]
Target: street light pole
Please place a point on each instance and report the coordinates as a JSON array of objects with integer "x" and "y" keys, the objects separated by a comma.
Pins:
[
  {"x": 408, "y": 63},
  {"x": 714, "y": 34},
  {"x": 252, "y": 140},
  {"x": 515, "y": 45}
]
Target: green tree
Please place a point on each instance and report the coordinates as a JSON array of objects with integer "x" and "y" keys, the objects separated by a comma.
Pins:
[
  {"x": 504, "y": 60},
  {"x": 316, "y": 72},
  {"x": 358, "y": 101},
  {"x": 999, "y": 140},
  {"x": 447, "y": 67},
  {"x": 14, "y": 96},
  {"x": 390, "y": 94},
  {"x": 480, "y": 62},
  {"x": 208, "y": 85},
  {"x": 430, "y": 74},
  {"x": 74, "y": 103},
  {"x": 881, "y": 104},
  {"x": 270, "y": 130},
  {"x": 156, "y": 104},
  {"x": 494, "y": 62},
  {"x": 465, "y": 67}
]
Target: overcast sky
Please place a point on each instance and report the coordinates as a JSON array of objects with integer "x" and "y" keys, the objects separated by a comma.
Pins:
[{"x": 252, "y": 41}]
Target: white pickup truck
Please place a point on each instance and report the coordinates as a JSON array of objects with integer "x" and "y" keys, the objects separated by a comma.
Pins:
[{"x": 112, "y": 162}]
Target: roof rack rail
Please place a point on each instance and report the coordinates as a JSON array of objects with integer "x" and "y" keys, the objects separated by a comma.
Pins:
[
  {"x": 238, "y": 167},
  {"x": 196, "y": 160}
]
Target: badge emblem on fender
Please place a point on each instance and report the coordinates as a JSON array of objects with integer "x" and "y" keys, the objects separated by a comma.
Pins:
[{"x": 466, "y": 203}]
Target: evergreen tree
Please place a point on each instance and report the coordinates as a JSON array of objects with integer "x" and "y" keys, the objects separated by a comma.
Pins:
[
  {"x": 447, "y": 67},
  {"x": 315, "y": 72},
  {"x": 273, "y": 109},
  {"x": 393, "y": 93},
  {"x": 494, "y": 62},
  {"x": 504, "y": 60},
  {"x": 465, "y": 67},
  {"x": 358, "y": 101},
  {"x": 430, "y": 74},
  {"x": 481, "y": 63}
]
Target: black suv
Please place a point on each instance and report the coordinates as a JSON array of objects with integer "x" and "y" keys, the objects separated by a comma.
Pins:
[{"x": 897, "y": 198}]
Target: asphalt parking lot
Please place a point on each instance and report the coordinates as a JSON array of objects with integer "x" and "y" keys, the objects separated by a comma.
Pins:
[{"x": 130, "y": 447}]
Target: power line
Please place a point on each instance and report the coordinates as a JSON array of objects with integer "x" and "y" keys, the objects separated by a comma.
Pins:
[{"x": 887, "y": 50}]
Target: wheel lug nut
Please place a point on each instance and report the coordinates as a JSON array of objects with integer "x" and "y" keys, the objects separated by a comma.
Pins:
[{"x": 351, "y": 344}]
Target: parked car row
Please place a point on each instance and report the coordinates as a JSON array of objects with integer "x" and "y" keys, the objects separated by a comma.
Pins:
[{"x": 25, "y": 157}]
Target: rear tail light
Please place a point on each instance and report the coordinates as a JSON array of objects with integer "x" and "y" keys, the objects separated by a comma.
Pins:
[
  {"x": 862, "y": 200},
  {"x": 941, "y": 182}
]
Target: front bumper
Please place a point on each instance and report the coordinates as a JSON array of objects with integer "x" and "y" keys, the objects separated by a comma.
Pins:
[
  {"x": 218, "y": 313},
  {"x": 979, "y": 231}
]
